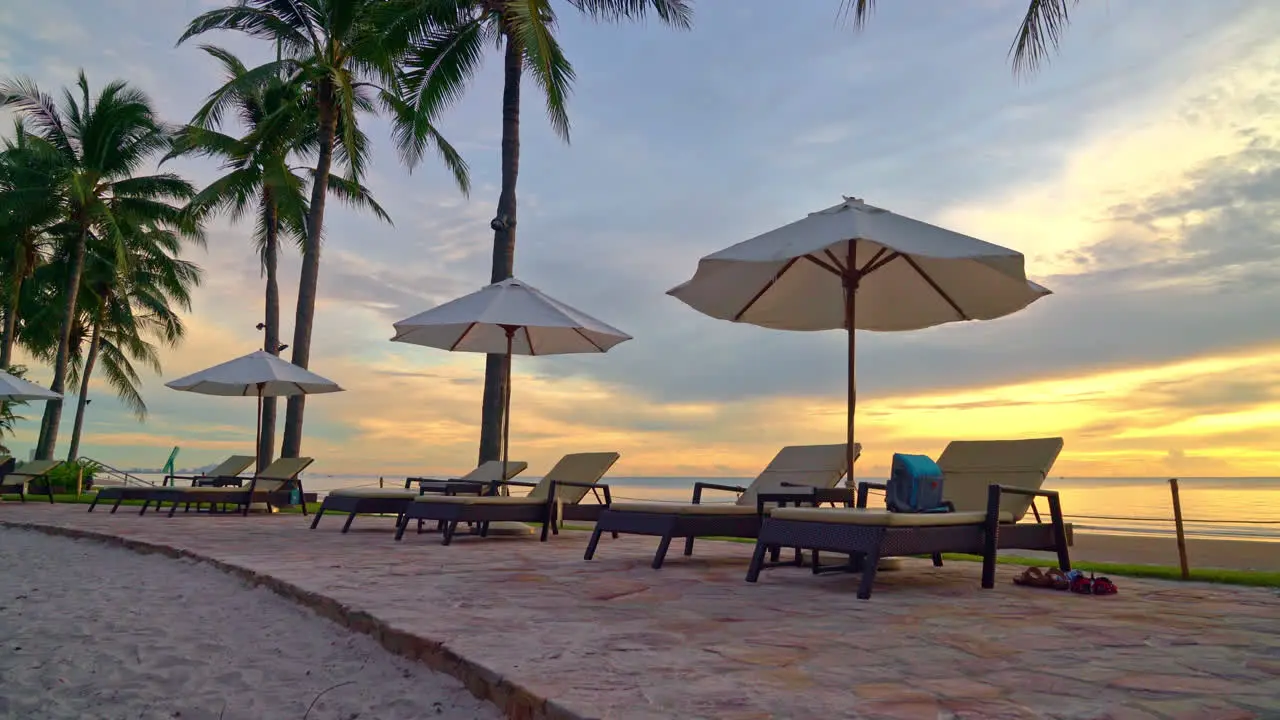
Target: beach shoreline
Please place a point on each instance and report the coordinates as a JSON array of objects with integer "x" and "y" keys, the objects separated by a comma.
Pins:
[{"x": 1202, "y": 554}]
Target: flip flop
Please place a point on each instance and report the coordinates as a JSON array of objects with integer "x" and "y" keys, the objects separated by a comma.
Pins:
[
  {"x": 1057, "y": 579},
  {"x": 1104, "y": 586},
  {"x": 1082, "y": 585},
  {"x": 1032, "y": 577}
]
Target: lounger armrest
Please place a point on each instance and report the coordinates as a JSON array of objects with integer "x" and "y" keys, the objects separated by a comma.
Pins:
[
  {"x": 698, "y": 487},
  {"x": 994, "y": 491},
  {"x": 1012, "y": 490},
  {"x": 863, "y": 487},
  {"x": 608, "y": 497},
  {"x": 845, "y": 496}
]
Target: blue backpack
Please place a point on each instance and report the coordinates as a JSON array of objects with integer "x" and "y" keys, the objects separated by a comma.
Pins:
[{"x": 915, "y": 485}]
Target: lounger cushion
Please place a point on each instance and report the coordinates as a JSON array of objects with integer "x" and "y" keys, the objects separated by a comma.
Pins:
[
  {"x": 481, "y": 500},
  {"x": 376, "y": 493},
  {"x": 578, "y": 468},
  {"x": 261, "y": 489},
  {"x": 662, "y": 508},
  {"x": 819, "y": 466},
  {"x": 882, "y": 518}
]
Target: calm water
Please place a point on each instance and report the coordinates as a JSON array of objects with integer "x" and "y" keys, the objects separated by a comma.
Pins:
[{"x": 1089, "y": 503}]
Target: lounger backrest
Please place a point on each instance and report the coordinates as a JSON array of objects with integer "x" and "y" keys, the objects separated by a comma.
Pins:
[
  {"x": 280, "y": 473},
  {"x": 492, "y": 470},
  {"x": 970, "y": 466},
  {"x": 579, "y": 468},
  {"x": 36, "y": 468},
  {"x": 819, "y": 466},
  {"x": 232, "y": 466}
]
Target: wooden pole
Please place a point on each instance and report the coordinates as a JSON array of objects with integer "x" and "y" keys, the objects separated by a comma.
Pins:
[{"x": 1177, "y": 522}]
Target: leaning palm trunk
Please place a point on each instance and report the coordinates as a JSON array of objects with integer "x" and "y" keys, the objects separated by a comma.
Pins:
[
  {"x": 504, "y": 248},
  {"x": 271, "y": 323},
  {"x": 10, "y": 326},
  {"x": 82, "y": 403},
  {"x": 53, "y": 408},
  {"x": 309, "y": 281}
]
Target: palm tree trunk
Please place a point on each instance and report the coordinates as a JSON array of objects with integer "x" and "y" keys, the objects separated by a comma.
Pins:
[
  {"x": 504, "y": 248},
  {"x": 309, "y": 282},
  {"x": 271, "y": 331},
  {"x": 53, "y": 408},
  {"x": 82, "y": 402},
  {"x": 10, "y": 326}
]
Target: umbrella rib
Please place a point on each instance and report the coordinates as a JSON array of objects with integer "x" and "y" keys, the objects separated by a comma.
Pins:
[
  {"x": 836, "y": 261},
  {"x": 767, "y": 286},
  {"x": 462, "y": 337},
  {"x": 875, "y": 263},
  {"x": 528, "y": 337},
  {"x": 936, "y": 287},
  {"x": 594, "y": 344},
  {"x": 824, "y": 265}
]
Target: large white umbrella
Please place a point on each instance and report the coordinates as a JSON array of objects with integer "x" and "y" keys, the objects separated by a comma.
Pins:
[
  {"x": 14, "y": 388},
  {"x": 259, "y": 374},
  {"x": 508, "y": 318},
  {"x": 855, "y": 266}
]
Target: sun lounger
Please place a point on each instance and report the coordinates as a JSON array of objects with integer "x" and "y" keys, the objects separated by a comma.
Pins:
[
  {"x": 18, "y": 479},
  {"x": 553, "y": 499},
  {"x": 7, "y": 464},
  {"x": 812, "y": 470},
  {"x": 991, "y": 485},
  {"x": 271, "y": 486},
  {"x": 226, "y": 473},
  {"x": 366, "y": 500}
]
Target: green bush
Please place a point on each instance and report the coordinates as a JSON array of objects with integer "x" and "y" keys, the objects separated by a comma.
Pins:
[{"x": 64, "y": 477}]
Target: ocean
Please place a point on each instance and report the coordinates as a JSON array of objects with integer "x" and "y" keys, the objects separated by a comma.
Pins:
[{"x": 1213, "y": 508}]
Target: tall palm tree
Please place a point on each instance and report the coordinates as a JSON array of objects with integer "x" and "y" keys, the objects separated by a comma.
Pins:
[
  {"x": 1037, "y": 37},
  {"x": 101, "y": 143},
  {"x": 29, "y": 205},
  {"x": 446, "y": 61},
  {"x": 127, "y": 308},
  {"x": 275, "y": 114},
  {"x": 348, "y": 52}
]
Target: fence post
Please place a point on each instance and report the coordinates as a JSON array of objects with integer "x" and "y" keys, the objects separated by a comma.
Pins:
[
  {"x": 1177, "y": 522},
  {"x": 379, "y": 481},
  {"x": 79, "y": 480}
]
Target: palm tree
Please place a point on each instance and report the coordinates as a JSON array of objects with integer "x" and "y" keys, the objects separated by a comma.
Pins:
[
  {"x": 275, "y": 115},
  {"x": 1037, "y": 37},
  {"x": 126, "y": 308},
  {"x": 447, "y": 59},
  {"x": 348, "y": 54},
  {"x": 29, "y": 205},
  {"x": 100, "y": 142}
]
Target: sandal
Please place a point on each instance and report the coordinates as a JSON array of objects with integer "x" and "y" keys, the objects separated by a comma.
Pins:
[
  {"x": 1082, "y": 585},
  {"x": 1032, "y": 577},
  {"x": 1057, "y": 579},
  {"x": 1104, "y": 586}
]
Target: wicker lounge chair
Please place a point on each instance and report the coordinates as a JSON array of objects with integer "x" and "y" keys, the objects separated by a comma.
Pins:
[
  {"x": 991, "y": 485},
  {"x": 814, "y": 469},
  {"x": 366, "y": 500},
  {"x": 553, "y": 499},
  {"x": 271, "y": 486},
  {"x": 18, "y": 479},
  {"x": 226, "y": 473}
]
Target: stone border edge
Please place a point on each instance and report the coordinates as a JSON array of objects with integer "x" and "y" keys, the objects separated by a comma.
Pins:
[{"x": 514, "y": 700}]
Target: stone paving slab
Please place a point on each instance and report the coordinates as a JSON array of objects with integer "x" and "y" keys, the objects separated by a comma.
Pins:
[{"x": 544, "y": 633}]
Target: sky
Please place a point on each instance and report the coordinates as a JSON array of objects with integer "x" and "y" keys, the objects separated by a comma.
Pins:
[{"x": 1138, "y": 171}]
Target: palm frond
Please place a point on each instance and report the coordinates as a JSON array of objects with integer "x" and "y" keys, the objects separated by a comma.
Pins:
[
  {"x": 676, "y": 13},
  {"x": 528, "y": 23},
  {"x": 1040, "y": 34}
]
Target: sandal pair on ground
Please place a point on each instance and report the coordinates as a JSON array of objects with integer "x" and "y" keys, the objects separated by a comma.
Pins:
[{"x": 1075, "y": 581}]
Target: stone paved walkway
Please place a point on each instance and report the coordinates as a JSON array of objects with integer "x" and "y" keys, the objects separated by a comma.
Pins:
[{"x": 545, "y": 634}]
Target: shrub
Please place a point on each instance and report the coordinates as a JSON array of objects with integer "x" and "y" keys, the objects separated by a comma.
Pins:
[{"x": 64, "y": 477}]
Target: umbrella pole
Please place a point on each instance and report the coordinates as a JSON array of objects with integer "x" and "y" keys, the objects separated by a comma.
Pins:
[
  {"x": 850, "y": 299},
  {"x": 506, "y": 406},
  {"x": 257, "y": 443}
]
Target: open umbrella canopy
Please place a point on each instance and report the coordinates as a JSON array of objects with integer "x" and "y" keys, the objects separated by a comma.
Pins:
[
  {"x": 537, "y": 323},
  {"x": 256, "y": 374},
  {"x": 907, "y": 275},
  {"x": 16, "y": 389}
]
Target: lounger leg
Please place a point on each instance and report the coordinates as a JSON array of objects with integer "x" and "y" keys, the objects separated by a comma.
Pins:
[
  {"x": 688, "y": 546},
  {"x": 992, "y": 539},
  {"x": 172, "y": 509},
  {"x": 817, "y": 563},
  {"x": 117, "y": 505},
  {"x": 661, "y": 554},
  {"x": 547, "y": 522},
  {"x": 449, "y": 529},
  {"x": 937, "y": 559},
  {"x": 775, "y": 553},
  {"x": 484, "y": 530},
  {"x": 346, "y": 525},
  {"x": 420, "y": 527},
  {"x": 145, "y": 504},
  {"x": 94, "y": 503},
  {"x": 1059, "y": 533},
  {"x": 595, "y": 540},
  {"x": 870, "y": 564},
  {"x": 320, "y": 513},
  {"x": 757, "y": 560},
  {"x": 401, "y": 526}
]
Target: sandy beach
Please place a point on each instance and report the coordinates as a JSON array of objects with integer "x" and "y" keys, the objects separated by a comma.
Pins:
[
  {"x": 92, "y": 631},
  {"x": 1202, "y": 554}
]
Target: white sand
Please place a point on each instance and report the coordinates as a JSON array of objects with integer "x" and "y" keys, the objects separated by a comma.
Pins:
[{"x": 92, "y": 631}]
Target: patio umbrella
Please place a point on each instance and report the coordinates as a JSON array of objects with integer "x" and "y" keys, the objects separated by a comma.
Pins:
[
  {"x": 16, "y": 389},
  {"x": 858, "y": 267},
  {"x": 508, "y": 318},
  {"x": 259, "y": 374}
]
